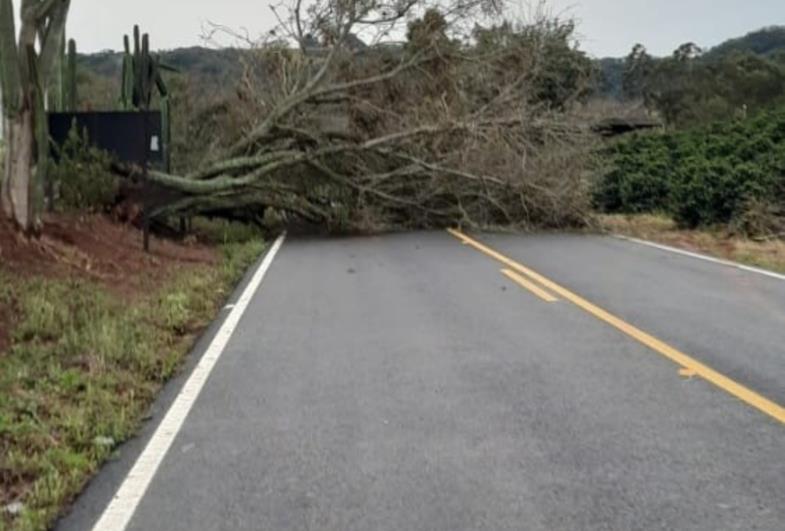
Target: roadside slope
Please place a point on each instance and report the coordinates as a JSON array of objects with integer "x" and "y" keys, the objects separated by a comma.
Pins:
[{"x": 91, "y": 327}]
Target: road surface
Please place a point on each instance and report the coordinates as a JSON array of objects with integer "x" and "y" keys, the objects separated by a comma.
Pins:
[{"x": 405, "y": 382}]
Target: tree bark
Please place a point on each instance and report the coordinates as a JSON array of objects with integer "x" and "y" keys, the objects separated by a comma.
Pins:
[{"x": 18, "y": 188}]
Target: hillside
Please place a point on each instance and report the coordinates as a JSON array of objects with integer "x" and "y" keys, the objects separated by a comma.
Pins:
[
  {"x": 766, "y": 41},
  {"x": 211, "y": 68},
  {"x": 218, "y": 69}
]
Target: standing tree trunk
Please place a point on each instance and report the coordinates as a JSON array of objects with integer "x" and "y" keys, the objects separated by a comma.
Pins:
[
  {"x": 18, "y": 188},
  {"x": 24, "y": 73}
]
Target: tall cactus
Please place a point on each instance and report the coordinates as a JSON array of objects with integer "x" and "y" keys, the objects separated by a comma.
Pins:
[
  {"x": 141, "y": 73},
  {"x": 141, "y": 77},
  {"x": 127, "y": 84},
  {"x": 70, "y": 97},
  {"x": 59, "y": 103},
  {"x": 66, "y": 97}
]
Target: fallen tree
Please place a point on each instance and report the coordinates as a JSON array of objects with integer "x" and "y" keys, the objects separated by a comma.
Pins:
[{"x": 353, "y": 132}]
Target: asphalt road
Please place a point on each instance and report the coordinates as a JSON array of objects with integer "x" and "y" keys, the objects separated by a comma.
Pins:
[{"x": 403, "y": 383}]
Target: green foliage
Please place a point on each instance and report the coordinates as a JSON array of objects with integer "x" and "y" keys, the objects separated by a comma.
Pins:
[
  {"x": 214, "y": 71},
  {"x": 737, "y": 78},
  {"x": 765, "y": 41},
  {"x": 81, "y": 371},
  {"x": 689, "y": 91},
  {"x": 703, "y": 176},
  {"x": 219, "y": 231},
  {"x": 83, "y": 176},
  {"x": 637, "y": 69}
]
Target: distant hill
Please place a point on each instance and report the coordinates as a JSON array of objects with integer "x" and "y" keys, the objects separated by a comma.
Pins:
[
  {"x": 219, "y": 70},
  {"x": 766, "y": 41},
  {"x": 211, "y": 68}
]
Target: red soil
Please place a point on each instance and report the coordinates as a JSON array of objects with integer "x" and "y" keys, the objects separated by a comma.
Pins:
[{"x": 93, "y": 247}]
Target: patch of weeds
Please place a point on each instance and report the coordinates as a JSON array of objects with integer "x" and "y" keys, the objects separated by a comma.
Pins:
[
  {"x": 222, "y": 232},
  {"x": 236, "y": 258},
  {"x": 83, "y": 367},
  {"x": 719, "y": 242},
  {"x": 82, "y": 175}
]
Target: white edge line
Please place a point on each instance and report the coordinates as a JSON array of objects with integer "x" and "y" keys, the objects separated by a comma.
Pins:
[
  {"x": 118, "y": 513},
  {"x": 720, "y": 261}
]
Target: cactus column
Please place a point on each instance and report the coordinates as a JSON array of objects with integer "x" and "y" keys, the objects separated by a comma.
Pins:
[
  {"x": 24, "y": 70},
  {"x": 69, "y": 82},
  {"x": 127, "y": 83},
  {"x": 141, "y": 76},
  {"x": 66, "y": 77},
  {"x": 141, "y": 73}
]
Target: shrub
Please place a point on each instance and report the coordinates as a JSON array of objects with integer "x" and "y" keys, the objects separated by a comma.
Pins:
[
  {"x": 82, "y": 176},
  {"x": 759, "y": 217},
  {"x": 705, "y": 176}
]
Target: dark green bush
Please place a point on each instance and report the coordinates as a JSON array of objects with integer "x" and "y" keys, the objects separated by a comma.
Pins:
[
  {"x": 704, "y": 176},
  {"x": 82, "y": 176}
]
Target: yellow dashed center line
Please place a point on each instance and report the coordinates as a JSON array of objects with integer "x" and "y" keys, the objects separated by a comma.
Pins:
[
  {"x": 688, "y": 364},
  {"x": 529, "y": 285}
]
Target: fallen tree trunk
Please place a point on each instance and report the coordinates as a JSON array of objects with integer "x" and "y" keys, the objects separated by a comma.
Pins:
[{"x": 424, "y": 134}]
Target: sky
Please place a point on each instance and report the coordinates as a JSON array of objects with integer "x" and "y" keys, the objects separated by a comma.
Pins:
[{"x": 606, "y": 27}]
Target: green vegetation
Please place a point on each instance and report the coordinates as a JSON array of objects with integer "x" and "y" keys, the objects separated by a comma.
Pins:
[
  {"x": 693, "y": 86},
  {"x": 82, "y": 176},
  {"x": 224, "y": 232},
  {"x": 688, "y": 89},
  {"x": 83, "y": 366},
  {"x": 214, "y": 72},
  {"x": 727, "y": 172},
  {"x": 766, "y": 41}
]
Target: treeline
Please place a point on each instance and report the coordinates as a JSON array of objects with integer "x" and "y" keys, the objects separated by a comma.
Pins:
[
  {"x": 730, "y": 172},
  {"x": 693, "y": 86},
  {"x": 215, "y": 72},
  {"x": 213, "y": 67}
]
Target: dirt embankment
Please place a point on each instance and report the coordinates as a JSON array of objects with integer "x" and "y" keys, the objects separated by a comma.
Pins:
[{"x": 92, "y": 247}]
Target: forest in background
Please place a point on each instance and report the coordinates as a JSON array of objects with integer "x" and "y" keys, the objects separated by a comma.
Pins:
[{"x": 694, "y": 86}]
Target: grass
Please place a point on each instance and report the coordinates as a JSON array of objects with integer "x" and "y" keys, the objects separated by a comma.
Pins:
[
  {"x": 221, "y": 231},
  {"x": 767, "y": 254},
  {"x": 81, "y": 371}
]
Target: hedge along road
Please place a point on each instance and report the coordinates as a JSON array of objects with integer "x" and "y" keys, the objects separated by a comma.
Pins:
[{"x": 512, "y": 382}]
